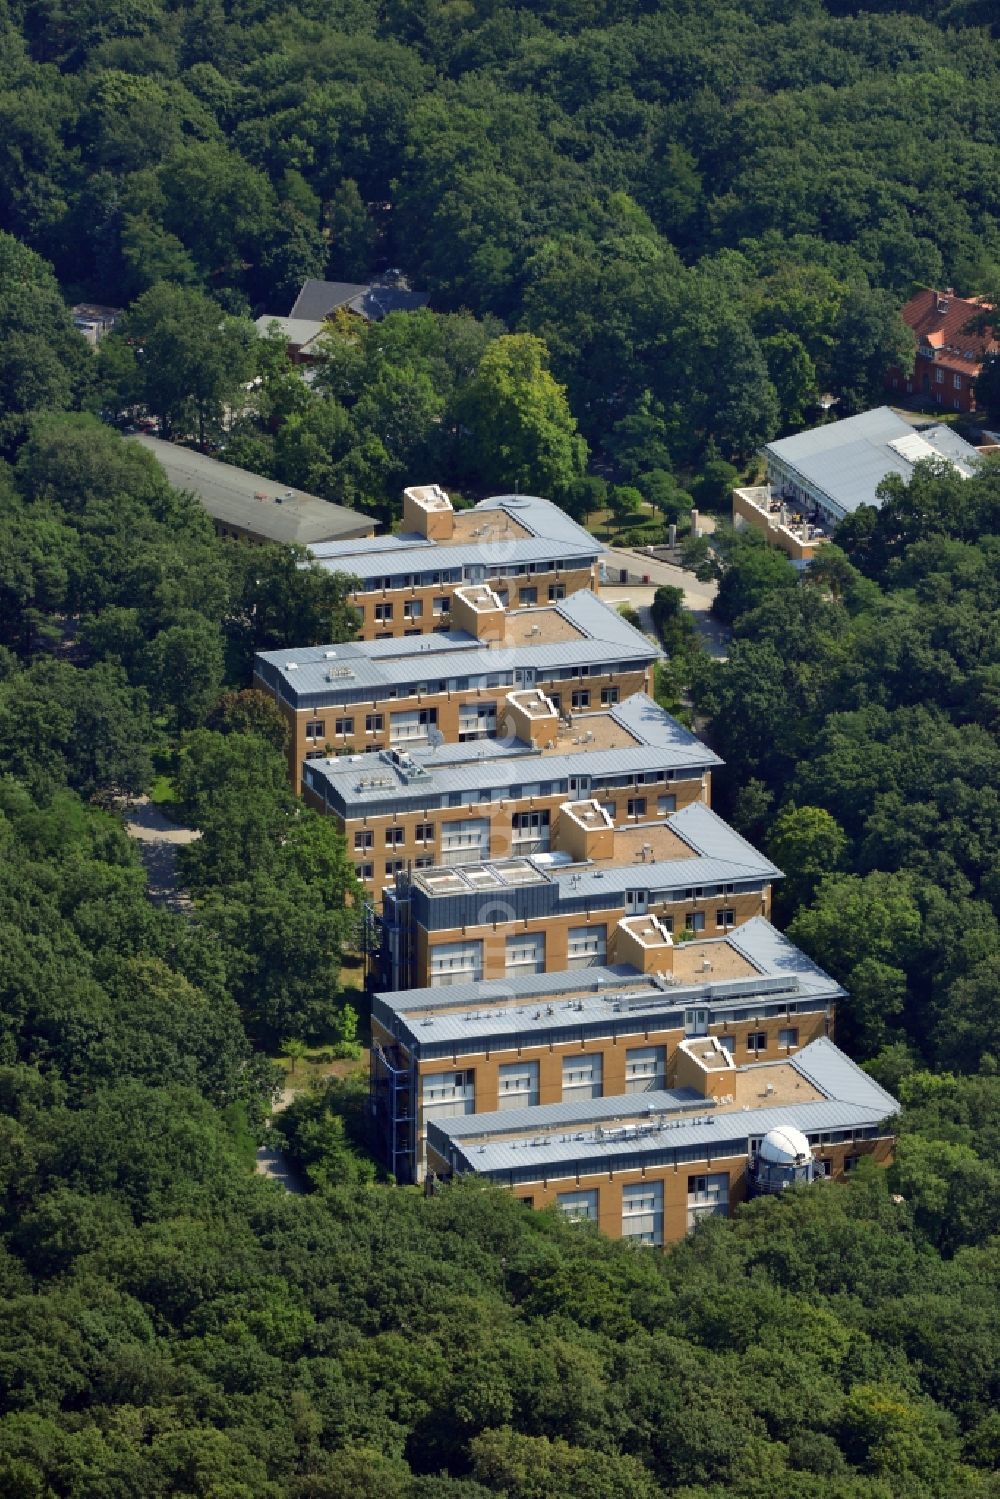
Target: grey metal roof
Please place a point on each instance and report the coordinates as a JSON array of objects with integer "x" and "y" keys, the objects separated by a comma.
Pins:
[
  {"x": 848, "y": 459},
  {"x": 757, "y": 940},
  {"x": 554, "y": 537},
  {"x": 229, "y": 495},
  {"x": 544, "y": 1007},
  {"x": 318, "y": 299},
  {"x": 711, "y": 837},
  {"x": 485, "y": 764},
  {"x": 381, "y": 664},
  {"x": 865, "y": 1105},
  {"x": 407, "y": 541}
]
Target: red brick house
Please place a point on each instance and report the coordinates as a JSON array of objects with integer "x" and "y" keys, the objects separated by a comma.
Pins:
[{"x": 951, "y": 350}]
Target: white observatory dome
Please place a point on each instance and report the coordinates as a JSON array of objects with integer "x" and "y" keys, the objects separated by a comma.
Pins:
[{"x": 785, "y": 1147}]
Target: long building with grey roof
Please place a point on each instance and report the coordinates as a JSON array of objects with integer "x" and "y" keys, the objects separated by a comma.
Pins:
[
  {"x": 249, "y": 507},
  {"x": 506, "y": 917},
  {"x": 595, "y": 1030},
  {"x": 500, "y": 797},
  {"x": 406, "y": 693},
  {"x": 527, "y": 549},
  {"x": 648, "y": 1167}
]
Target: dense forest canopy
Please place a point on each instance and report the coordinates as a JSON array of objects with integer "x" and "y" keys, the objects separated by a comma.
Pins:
[
  {"x": 694, "y": 217},
  {"x": 713, "y": 209}
]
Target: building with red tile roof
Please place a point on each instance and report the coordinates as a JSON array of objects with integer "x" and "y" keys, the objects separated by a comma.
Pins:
[{"x": 952, "y": 346}]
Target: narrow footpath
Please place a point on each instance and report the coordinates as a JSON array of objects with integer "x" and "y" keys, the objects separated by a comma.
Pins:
[{"x": 272, "y": 1162}]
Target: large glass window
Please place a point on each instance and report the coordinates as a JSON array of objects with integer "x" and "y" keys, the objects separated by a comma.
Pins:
[
  {"x": 517, "y": 1085},
  {"x": 582, "y": 1077},
  {"x": 642, "y": 1212},
  {"x": 645, "y": 1069}
]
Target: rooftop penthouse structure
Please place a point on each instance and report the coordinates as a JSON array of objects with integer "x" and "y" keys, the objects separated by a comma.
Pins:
[
  {"x": 591, "y": 1032},
  {"x": 524, "y": 547},
  {"x": 404, "y": 694},
  {"x": 508, "y": 917},
  {"x": 500, "y": 798},
  {"x": 649, "y": 1166}
]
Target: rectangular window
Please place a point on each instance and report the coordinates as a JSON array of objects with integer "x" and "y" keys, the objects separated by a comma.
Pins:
[
  {"x": 580, "y": 1205},
  {"x": 580, "y": 699},
  {"x": 708, "y": 1197},
  {"x": 343, "y": 728},
  {"x": 665, "y": 805},
  {"x": 851, "y": 1163},
  {"x": 394, "y": 867},
  {"x": 645, "y": 1069},
  {"x": 465, "y": 842},
  {"x": 609, "y": 696},
  {"x": 611, "y": 808},
  {"x": 727, "y": 1044},
  {"x": 383, "y": 612},
  {"x": 725, "y": 919},
  {"x": 756, "y": 1042},
  {"x": 363, "y": 839},
  {"x": 939, "y": 376},
  {"x": 582, "y": 1077},
  {"x": 517, "y": 1085},
  {"x": 411, "y": 725},
  {"x": 637, "y": 806},
  {"x": 587, "y": 947},
  {"x": 456, "y": 963},
  {"x": 395, "y": 837},
  {"x": 525, "y": 953},
  {"x": 530, "y": 832},
  {"x": 316, "y": 728},
  {"x": 365, "y": 871},
  {"x": 695, "y": 921},
  {"x": 958, "y": 382},
  {"x": 642, "y": 1212},
  {"x": 476, "y": 721},
  {"x": 413, "y": 608},
  {"x": 424, "y": 832},
  {"x": 446, "y": 1094},
  {"x": 374, "y": 723},
  {"x": 529, "y": 595},
  {"x": 788, "y": 1037},
  {"x": 441, "y": 606},
  {"x": 556, "y": 591}
]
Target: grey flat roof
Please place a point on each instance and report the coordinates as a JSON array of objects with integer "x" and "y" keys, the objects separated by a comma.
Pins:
[
  {"x": 848, "y": 459},
  {"x": 467, "y": 1017},
  {"x": 631, "y": 1130},
  {"x": 718, "y": 856},
  {"x": 554, "y": 536},
  {"x": 381, "y": 664},
  {"x": 229, "y": 495},
  {"x": 485, "y": 764}
]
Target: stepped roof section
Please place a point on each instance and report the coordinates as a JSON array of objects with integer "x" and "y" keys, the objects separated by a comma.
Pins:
[
  {"x": 500, "y": 532},
  {"x": 818, "y": 1091},
  {"x": 577, "y": 631},
  {"x": 636, "y": 735},
  {"x": 753, "y": 964},
  {"x": 690, "y": 849}
]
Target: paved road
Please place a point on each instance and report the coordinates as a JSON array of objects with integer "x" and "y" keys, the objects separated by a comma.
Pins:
[
  {"x": 159, "y": 840},
  {"x": 698, "y": 596}
]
